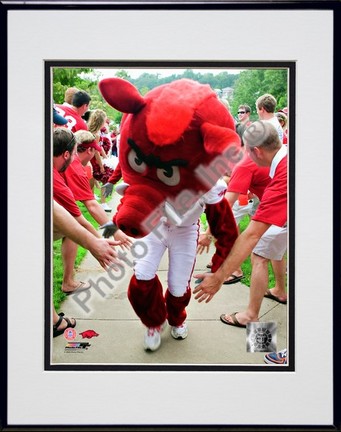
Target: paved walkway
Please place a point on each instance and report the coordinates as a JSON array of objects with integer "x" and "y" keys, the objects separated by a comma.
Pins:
[{"x": 106, "y": 310}]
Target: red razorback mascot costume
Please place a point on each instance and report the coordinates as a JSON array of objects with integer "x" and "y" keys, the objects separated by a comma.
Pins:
[{"x": 175, "y": 144}]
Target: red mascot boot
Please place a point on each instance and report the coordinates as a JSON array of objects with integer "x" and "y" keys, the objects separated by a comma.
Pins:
[
  {"x": 147, "y": 300},
  {"x": 176, "y": 310}
]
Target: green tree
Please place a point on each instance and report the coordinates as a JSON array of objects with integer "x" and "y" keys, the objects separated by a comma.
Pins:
[
  {"x": 84, "y": 79},
  {"x": 254, "y": 82},
  {"x": 123, "y": 74},
  {"x": 224, "y": 79},
  {"x": 64, "y": 78}
]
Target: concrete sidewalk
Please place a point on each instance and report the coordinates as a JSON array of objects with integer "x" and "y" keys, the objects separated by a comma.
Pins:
[{"x": 107, "y": 311}]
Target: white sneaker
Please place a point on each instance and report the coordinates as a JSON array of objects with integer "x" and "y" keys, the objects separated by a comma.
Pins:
[
  {"x": 106, "y": 207},
  {"x": 277, "y": 358},
  {"x": 180, "y": 332},
  {"x": 152, "y": 337}
]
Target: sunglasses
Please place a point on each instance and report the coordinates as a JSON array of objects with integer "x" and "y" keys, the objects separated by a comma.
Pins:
[{"x": 241, "y": 112}]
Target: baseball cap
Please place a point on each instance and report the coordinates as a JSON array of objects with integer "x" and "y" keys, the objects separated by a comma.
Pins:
[
  {"x": 58, "y": 119},
  {"x": 281, "y": 116},
  {"x": 92, "y": 144},
  {"x": 284, "y": 110}
]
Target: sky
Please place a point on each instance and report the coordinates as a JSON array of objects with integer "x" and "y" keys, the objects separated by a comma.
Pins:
[{"x": 136, "y": 72}]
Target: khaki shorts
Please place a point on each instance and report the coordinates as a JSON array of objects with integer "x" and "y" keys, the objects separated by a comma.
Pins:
[
  {"x": 273, "y": 243},
  {"x": 239, "y": 211}
]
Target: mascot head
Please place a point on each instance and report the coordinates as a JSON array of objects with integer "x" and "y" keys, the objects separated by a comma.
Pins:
[{"x": 169, "y": 140}]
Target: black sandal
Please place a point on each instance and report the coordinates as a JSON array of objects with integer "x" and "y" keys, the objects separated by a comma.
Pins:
[{"x": 57, "y": 332}]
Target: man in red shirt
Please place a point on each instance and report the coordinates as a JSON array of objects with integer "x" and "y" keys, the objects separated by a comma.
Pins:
[
  {"x": 64, "y": 150},
  {"x": 246, "y": 178},
  {"x": 80, "y": 105},
  {"x": 264, "y": 147},
  {"x": 77, "y": 180},
  {"x": 65, "y": 226}
]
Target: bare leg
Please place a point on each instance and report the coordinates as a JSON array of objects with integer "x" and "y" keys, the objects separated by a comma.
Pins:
[
  {"x": 258, "y": 287},
  {"x": 69, "y": 253},
  {"x": 92, "y": 183},
  {"x": 102, "y": 196},
  {"x": 63, "y": 324},
  {"x": 279, "y": 268},
  {"x": 55, "y": 316}
]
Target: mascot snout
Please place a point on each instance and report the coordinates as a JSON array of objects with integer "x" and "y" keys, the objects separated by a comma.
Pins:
[{"x": 139, "y": 210}]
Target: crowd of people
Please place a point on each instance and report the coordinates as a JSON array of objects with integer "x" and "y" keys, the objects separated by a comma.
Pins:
[
  {"x": 74, "y": 147},
  {"x": 261, "y": 176},
  {"x": 257, "y": 187}
]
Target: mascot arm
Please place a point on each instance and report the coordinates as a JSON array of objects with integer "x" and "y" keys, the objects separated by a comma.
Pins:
[
  {"x": 224, "y": 229},
  {"x": 116, "y": 175}
]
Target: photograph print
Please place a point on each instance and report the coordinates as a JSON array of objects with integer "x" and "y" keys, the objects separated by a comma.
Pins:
[{"x": 161, "y": 177}]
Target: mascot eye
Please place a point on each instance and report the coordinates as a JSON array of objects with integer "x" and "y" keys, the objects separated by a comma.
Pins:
[
  {"x": 136, "y": 163},
  {"x": 170, "y": 176}
]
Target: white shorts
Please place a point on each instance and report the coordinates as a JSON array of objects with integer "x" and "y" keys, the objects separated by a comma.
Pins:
[
  {"x": 273, "y": 243},
  {"x": 239, "y": 211}
]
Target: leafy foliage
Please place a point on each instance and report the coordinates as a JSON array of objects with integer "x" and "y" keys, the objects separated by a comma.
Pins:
[
  {"x": 147, "y": 81},
  {"x": 84, "y": 79},
  {"x": 253, "y": 83},
  {"x": 64, "y": 78},
  {"x": 247, "y": 86}
]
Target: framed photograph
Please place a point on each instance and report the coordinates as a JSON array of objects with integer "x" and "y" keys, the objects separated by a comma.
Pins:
[
  {"x": 109, "y": 370},
  {"x": 104, "y": 311}
]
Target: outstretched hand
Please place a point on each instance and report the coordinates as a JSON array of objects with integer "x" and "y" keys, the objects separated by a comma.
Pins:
[
  {"x": 107, "y": 189},
  {"x": 208, "y": 287},
  {"x": 125, "y": 241},
  {"x": 103, "y": 250},
  {"x": 204, "y": 243}
]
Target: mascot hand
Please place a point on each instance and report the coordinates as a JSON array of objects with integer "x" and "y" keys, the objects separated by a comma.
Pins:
[
  {"x": 109, "y": 229},
  {"x": 107, "y": 189}
]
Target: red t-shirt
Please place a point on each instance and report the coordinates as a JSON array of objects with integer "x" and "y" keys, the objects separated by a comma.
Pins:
[
  {"x": 77, "y": 180},
  {"x": 63, "y": 195},
  {"x": 248, "y": 176},
  {"x": 273, "y": 206},
  {"x": 75, "y": 121}
]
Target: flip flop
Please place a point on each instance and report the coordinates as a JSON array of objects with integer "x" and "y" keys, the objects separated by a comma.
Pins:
[
  {"x": 57, "y": 332},
  {"x": 235, "y": 322},
  {"x": 273, "y": 297},
  {"x": 234, "y": 279},
  {"x": 82, "y": 286}
]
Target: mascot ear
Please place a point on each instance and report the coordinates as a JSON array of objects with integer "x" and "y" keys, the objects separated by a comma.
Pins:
[
  {"x": 121, "y": 95},
  {"x": 217, "y": 138}
]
